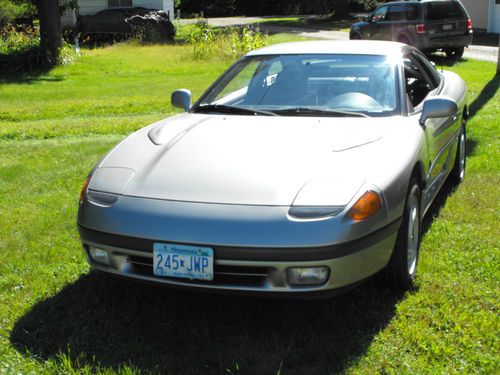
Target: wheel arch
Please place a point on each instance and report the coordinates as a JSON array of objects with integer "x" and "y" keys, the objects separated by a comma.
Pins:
[
  {"x": 465, "y": 113},
  {"x": 418, "y": 174}
]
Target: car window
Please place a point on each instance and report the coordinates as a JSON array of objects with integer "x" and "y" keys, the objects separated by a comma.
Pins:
[
  {"x": 379, "y": 14},
  {"x": 354, "y": 83},
  {"x": 443, "y": 9},
  {"x": 417, "y": 82},
  {"x": 429, "y": 69},
  {"x": 240, "y": 82},
  {"x": 402, "y": 12}
]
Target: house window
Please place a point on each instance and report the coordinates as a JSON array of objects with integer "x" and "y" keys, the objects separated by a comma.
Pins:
[{"x": 120, "y": 3}]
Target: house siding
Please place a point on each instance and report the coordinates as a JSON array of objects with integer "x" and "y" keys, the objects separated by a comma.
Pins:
[
  {"x": 478, "y": 12},
  {"x": 91, "y": 6}
]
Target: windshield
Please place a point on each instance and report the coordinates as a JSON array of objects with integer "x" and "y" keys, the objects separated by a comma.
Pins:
[{"x": 305, "y": 85}]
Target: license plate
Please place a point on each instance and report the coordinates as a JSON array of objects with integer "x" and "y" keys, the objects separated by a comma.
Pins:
[
  {"x": 188, "y": 262},
  {"x": 447, "y": 27}
]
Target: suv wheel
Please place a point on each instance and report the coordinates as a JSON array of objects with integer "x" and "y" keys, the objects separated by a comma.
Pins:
[{"x": 455, "y": 53}]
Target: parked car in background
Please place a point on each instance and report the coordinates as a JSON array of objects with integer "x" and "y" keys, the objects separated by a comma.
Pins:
[
  {"x": 304, "y": 169},
  {"x": 429, "y": 25}
]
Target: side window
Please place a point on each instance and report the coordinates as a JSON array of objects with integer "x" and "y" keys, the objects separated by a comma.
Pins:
[
  {"x": 411, "y": 12},
  {"x": 395, "y": 13},
  {"x": 379, "y": 14},
  {"x": 429, "y": 69},
  {"x": 418, "y": 84}
]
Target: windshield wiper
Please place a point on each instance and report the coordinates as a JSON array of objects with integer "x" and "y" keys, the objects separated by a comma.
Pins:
[
  {"x": 222, "y": 108},
  {"x": 311, "y": 111}
]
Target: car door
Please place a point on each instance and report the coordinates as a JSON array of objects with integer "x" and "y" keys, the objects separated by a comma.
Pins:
[
  {"x": 422, "y": 82},
  {"x": 376, "y": 20}
]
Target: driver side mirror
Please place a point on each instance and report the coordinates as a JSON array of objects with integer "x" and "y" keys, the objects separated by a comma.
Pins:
[
  {"x": 436, "y": 107},
  {"x": 182, "y": 99}
]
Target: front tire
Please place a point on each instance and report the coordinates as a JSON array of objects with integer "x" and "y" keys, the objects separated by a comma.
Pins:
[{"x": 402, "y": 268}]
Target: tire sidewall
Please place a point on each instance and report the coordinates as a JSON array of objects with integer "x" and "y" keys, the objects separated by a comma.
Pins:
[{"x": 398, "y": 270}]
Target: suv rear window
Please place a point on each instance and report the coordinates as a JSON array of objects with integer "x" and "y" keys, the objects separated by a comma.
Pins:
[{"x": 441, "y": 10}]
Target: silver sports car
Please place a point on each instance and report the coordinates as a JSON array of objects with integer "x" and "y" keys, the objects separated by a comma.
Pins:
[{"x": 304, "y": 169}]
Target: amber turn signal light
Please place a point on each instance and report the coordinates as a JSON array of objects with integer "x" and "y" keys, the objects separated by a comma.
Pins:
[
  {"x": 366, "y": 206},
  {"x": 84, "y": 189}
]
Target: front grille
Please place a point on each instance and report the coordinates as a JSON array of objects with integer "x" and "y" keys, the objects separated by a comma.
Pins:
[{"x": 223, "y": 274}]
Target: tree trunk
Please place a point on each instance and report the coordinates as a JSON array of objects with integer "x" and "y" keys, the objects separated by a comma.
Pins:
[
  {"x": 50, "y": 31},
  {"x": 498, "y": 62}
]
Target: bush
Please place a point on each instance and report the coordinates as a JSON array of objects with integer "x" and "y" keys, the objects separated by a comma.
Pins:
[
  {"x": 14, "y": 41},
  {"x": 224, "y": 43},
  {"x": 362, "y": 5},
  {"x": 10, "y": 11},
  {"x": 20, "y": 50},
  {"x": 211, "y": 8}
]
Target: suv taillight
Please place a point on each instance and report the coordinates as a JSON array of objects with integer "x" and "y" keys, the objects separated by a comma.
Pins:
[
  {"x": 469, "y": 24},
  {"x": 421, "y": 28}
]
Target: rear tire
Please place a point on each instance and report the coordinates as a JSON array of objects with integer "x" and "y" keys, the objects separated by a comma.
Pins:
[
  {"x": 402, "y": 267},
  {"x": 355, "y": 36},
  {"x": 457, "y": 174},
  {"x": 455, "y": 53}
]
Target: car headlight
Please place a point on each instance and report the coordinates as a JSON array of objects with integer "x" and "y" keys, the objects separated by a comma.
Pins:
[
  {"x": 322, "y": 198},
  {"x": 111, "y": 179},
  {"x": 307, "y": 212}
]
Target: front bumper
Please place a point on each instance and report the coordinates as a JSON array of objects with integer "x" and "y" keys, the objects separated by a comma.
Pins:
[{"x": 252, "y": 269}]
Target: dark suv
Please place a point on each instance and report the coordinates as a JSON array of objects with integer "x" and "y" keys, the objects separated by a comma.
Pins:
[{"x": 429, "y": 25}]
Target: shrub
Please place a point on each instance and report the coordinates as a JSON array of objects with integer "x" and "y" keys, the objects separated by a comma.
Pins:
[
  {"x": 224, "y": 43},
  {"x": 10, "y": 11},
  {"x": 20, "y": 50},
  {"x": 13, "y": 41}
]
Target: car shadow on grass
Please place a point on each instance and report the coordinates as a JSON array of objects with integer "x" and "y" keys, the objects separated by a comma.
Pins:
[{"x": 100, "y": 321}]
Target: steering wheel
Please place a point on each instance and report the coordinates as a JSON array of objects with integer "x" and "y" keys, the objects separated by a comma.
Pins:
[{"x": 354, "y": 101}]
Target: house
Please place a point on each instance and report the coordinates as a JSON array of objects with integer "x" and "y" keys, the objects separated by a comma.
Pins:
[
  {"x": 485, "y": 14},
  {"x": 88, "y": 7}
]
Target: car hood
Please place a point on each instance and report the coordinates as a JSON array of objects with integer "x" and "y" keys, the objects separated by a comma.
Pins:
[{"x": 254, "y": 160}]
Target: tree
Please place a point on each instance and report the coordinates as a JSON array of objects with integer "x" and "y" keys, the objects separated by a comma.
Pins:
[
  {"x": 498, "y": 62},
  {"x": 50, "y": 31}
]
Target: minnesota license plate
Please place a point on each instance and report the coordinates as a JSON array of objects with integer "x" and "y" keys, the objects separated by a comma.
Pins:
[
  {"x": 188, "y": 262},
  {"x": 447, "y": 27}
]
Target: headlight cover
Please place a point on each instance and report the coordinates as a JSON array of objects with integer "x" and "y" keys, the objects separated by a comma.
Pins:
[{"x": 323, "y": 198}]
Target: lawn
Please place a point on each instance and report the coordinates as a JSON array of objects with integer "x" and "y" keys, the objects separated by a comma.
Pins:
[{"x": 56, "y": 316}]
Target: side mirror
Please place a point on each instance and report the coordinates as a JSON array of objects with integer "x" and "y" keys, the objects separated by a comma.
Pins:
[
  {"x": 181, "y": 99},
  {"x": 438, "y": 106}
]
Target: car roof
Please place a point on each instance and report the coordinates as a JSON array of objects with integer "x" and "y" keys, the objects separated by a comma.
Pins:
[{"x": 354, "y": 47}]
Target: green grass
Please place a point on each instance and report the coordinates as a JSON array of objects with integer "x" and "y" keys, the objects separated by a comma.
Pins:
[{"x": 57, "y": 317}]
